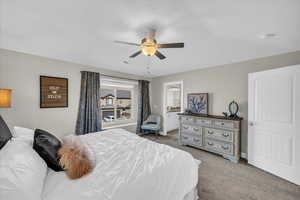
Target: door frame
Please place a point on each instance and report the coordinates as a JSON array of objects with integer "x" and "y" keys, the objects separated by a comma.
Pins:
[{"x": 165, "y": 85}]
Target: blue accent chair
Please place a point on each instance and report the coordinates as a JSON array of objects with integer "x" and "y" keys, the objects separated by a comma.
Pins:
[{"x": 152, "y": 124}]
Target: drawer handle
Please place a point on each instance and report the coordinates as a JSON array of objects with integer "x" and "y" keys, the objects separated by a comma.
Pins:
[
  {"x": 222, "y": 124},
  {"x": 225, "y": 147},
  {"x": 225, "y": 134},
  {"x": 210, "y": 132},
  {"x": 196, "y": 129},
  {"x": 210, "y": 143},
  {"x": 184, "y": 137},
  {"x": 196, "y": 140},
  {"x": 185, "y": 127}
]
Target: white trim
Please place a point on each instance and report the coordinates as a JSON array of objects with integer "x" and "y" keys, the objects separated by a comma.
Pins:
[
  {"x": 121, "y": 125},
  {"x": 244, "y": 155},
  {"x": 164, "y": 132},
  {"x": 133, "y": 109},
  {"x": 117, "y": 81}
]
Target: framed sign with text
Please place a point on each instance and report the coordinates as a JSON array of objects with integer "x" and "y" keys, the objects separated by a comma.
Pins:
[{"x": 53, "y": 92}]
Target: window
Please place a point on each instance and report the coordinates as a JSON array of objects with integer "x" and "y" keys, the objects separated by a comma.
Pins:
[{"x": 116, "y": 103}]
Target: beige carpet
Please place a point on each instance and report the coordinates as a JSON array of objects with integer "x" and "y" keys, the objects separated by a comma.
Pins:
[{"x": 220, "y": 179}]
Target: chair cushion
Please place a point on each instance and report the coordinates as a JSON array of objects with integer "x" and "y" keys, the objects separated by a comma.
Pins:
[
  {"x": 5, "y": 134},
  {"x": 153, "y": 127}
]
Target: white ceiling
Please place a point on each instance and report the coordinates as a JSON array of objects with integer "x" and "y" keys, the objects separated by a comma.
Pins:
[{"x": 214, "y": 32}]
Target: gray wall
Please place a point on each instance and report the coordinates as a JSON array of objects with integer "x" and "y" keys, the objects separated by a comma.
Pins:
[
  {"x": 223, "y": 83},
  {"x": 20, "y": 72}
]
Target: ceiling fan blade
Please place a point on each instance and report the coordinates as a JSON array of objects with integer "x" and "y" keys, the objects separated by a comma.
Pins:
[
  {"x": 128, "y": 43},
  {"x": 135, "y": 54},
  {"x": 160, "y": 55},
  {"x": 171, "y": 45}
]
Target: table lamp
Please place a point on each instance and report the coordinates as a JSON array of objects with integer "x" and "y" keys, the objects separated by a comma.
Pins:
[{"x": 5, "y": 98}]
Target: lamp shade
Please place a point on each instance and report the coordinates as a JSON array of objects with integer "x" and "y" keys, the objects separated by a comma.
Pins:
[{"x": 5, "y": 98}]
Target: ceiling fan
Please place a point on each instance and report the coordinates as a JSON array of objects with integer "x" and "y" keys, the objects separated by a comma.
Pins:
[{"x": 149, "y": 46}]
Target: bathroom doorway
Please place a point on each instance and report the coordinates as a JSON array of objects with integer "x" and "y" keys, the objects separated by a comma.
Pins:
[{"x": 173, "y": 104}]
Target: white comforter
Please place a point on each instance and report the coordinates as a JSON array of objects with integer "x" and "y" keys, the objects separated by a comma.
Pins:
[{"x": 128, "y": 167}]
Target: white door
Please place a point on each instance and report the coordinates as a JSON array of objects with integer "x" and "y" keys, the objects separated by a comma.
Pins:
[{"x": 274, "y": 122}]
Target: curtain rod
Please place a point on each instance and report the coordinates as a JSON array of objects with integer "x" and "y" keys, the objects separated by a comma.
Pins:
[
  {"x": 131, "y": 79},
  {"x": 118, "y": 77}
]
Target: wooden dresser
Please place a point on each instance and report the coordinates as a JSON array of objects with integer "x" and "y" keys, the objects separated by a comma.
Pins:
[{"x": 216, "y": 134}]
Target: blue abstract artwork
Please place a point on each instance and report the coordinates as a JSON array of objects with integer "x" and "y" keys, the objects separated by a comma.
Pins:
[{"x": 198, "y": 103}]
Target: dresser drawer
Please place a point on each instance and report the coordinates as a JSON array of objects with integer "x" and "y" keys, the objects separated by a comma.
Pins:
[
  {"x": 191, "y": 139},
  {"x": 188, "y": 120},
  {"x": 186, "y": 139},
  {"x": 186, "y": 128},
  {"x": 204, "y": 122},
  {"x": 223, "y": 135},
  {"x": 221, "y": 147},
  {"x": 224, "y": 124},
  {"x": 197, "y": 141}
]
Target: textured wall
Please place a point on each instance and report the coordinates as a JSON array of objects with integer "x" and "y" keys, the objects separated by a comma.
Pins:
[{"x": 223, "y": 83}]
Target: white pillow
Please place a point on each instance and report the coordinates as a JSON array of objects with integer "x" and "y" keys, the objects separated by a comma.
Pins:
[
  {"x": 24, "y": 134},
  {"x": 22, "y": 172}
]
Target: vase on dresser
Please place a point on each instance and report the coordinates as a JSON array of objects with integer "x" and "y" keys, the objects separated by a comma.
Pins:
[{"x": 217, "y": 134}]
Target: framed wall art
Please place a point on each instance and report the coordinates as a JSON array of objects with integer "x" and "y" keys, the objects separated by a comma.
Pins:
[
  {"x": 197, "y": 103},
  {"x": 53, "y": 92}
]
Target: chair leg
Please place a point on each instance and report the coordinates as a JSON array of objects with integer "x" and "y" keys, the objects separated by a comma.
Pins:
[{"x": 156, "y": 134}]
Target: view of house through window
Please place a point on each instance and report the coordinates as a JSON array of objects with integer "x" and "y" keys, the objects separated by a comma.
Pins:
[{"x": 116, "y": 105}]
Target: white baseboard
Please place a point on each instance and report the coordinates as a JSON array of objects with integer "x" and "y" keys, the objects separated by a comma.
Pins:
[
  {"x": 162, "y": 133},
  {"x": 244, "y": 155}
]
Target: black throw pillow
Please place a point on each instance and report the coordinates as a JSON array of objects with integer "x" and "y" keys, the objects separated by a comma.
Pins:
[
  {"x": 47, "y": 146},
  {"x": 5, "y": 134}
]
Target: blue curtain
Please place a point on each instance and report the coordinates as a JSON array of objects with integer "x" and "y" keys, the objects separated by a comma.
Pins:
[
  {"x": 144, "y": 109},
  {"x": 89, "y": 116}
]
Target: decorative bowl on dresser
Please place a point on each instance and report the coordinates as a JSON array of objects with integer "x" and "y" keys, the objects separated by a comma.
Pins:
[{"x": 212, "y": 133}]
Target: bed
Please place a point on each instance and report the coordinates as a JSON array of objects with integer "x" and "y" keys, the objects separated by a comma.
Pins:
[{"x": 127, "y": 167}]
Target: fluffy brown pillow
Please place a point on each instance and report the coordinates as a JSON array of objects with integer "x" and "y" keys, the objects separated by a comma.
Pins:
[{"x": 74, "y": 159}]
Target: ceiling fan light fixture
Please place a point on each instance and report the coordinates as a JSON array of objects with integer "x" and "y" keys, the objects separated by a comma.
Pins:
[
  {"x": 149, "y": 51},
  {"x": 149, "y": 47}
]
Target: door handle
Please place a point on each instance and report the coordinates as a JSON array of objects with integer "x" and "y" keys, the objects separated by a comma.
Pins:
[{"x": 251, "y": 123}]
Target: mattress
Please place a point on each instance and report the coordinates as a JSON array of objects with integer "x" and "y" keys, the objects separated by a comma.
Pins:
[{"x": 128, "y": 167}]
